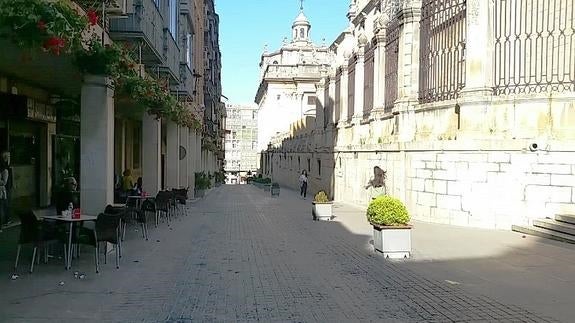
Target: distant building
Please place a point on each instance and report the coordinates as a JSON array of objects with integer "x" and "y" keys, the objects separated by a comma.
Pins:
[
  {"x": 241, "y": 140},
  {"x": 287, "y": 91}
]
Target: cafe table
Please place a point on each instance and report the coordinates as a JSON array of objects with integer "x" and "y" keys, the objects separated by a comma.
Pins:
[
  {"x": 71, "y": 222},
  {"x": 139, "y": 200}
]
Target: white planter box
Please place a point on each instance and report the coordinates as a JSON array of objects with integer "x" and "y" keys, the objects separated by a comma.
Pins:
[
  {"x": 393, "y": 242},
  {"x": 322, "y": 211}
]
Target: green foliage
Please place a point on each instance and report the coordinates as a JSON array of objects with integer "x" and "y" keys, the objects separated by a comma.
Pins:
[
  {"x": 202, "y": 181},
  {"x": 55, "y": 26},
  {"x": 321, "y": 197},
  {"x": 388, "y": 211},
  {"x": 262, "y": 180},
  {"x": 220, "y": 177},
  {"x": 51, "y": 25},
  {"x": 98, "y": 59}
]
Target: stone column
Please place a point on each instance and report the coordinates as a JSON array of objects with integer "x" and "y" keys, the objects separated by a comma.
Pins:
[
  {"x": 359, "y": 84},
  {"x": 379, "y": 74},
  {"x": 320, "y": 105},
  {"x": 408, "y": 71},
  {"x": 479, "y": 52},
  {"x": 184, "y": 143},
  {"x": 344, "y": 93},
  {"x": 151, "y": 153},
  {"x": 172, "y": 155},
  {"x": 97, "y": 144},
  {"x": 476, "y": 95},
  {"x": 191, "y": 159},
  {"x": 330, "y": 101}
]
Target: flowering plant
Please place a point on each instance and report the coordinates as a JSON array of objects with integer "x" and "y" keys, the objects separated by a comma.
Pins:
[
  {"x": 53, "y": 26},
  {"x": 56, "y": 27}
]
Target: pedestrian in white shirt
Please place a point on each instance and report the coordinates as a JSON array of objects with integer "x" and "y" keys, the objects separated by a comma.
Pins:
[{"x": 303, "y": 184}]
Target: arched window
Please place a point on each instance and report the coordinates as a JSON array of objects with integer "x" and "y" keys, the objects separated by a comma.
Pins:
[
  {"x": 275, "y": 62},
  {"x": 301, "y": 33}
]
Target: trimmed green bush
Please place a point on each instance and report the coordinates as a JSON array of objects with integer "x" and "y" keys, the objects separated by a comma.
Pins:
[
  {"x": 388, "y": 211},
  {"x": 321, "y": 198}
]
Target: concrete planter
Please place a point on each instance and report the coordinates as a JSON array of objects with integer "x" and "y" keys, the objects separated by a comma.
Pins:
[
  {"x": 199, "y": 193},
  {"x": 275, "y": 190},
  {"x": 393, "y": 241},
  {"x": 322, "y": 211}
]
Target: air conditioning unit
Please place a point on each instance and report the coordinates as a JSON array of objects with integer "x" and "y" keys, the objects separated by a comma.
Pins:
[{"x": 115, "y": 8}]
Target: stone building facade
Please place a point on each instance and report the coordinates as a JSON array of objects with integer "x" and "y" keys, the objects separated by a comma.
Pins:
[
  {"x": 467, "y": 104},
  {"x": 287, "y": 89}
]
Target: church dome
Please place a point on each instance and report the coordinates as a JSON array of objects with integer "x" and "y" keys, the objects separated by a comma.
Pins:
[{"x": 301, "y": 19}]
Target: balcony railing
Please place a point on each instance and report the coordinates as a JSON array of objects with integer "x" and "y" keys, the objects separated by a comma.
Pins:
[
  {"x": 283, "y": 71},
  {"x": 144, "y": 23},
  {"x": 171, "y": 56},
  {"x": 186, "y": 86}
]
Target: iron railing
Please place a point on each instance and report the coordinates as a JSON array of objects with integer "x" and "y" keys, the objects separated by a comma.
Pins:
[
  {"x": 171, "y": 56},
  {"x": 534, "y": 46},
  {"x": 144, "y": 23},
  {"x": 391, "y": 64},
  {"x": 368, "y": 87},
  {"x": 442, "y": 49}
]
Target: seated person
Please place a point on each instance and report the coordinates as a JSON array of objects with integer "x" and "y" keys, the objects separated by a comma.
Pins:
[{"x": 69, "y": 194}]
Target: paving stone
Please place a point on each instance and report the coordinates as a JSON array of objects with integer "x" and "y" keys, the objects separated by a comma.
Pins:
[{"x": 241, "y": 256}]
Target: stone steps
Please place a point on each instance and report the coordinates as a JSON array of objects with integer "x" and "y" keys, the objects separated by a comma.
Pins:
[
  {"x": 562, "y": 228},
  {"x": 565, "y": 218}
]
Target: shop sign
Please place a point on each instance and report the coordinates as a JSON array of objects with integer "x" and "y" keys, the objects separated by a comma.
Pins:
[{"x": 40, "y": 111}]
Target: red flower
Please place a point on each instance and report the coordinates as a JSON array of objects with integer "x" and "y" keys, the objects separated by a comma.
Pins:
[
  {"x": 92, "y": 17},
  {"x": 41, "y": 25},
  {"x": 54, "y": 44}
]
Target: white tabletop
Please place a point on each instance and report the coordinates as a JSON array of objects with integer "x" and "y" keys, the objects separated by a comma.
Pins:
[
  {"x": 83, "y": 217},
  {"x": 140, "y": 197},
  {"x": 119, "y": 205}
]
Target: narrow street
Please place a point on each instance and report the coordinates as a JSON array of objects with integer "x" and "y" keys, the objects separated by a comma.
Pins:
[{"x": 242, "y": 256}]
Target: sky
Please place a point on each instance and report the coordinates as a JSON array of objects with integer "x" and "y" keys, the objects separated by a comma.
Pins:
[{"x": 247, "y": 25}]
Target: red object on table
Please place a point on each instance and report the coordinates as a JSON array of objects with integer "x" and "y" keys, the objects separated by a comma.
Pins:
[{"x": 76, "y": 214}]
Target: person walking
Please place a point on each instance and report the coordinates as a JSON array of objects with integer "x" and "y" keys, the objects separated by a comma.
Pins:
[
  {"x": 377, "y": 183},
  {"x": 303, "y": 184},
  {"x": 5, "y": 189}
]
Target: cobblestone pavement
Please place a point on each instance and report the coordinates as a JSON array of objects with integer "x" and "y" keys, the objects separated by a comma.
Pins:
[{"x": 241, "y": 256}]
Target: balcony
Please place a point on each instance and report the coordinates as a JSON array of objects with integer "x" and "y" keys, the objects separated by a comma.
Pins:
[
  {"x": 298, "y": 71},
  {"x": 143, "y": 26},
  {"x": 186, "y": 86},
  {"x": 171, "y": 55}
]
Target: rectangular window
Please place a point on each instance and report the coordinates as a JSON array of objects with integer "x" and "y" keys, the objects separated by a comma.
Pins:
[
  {"x": 189, "y": 50},
  {"x": 173, "y": 11},
  {"x": 319, "y": 167},
  {"x": 311, "y": 100},
  {"x": 158, "y": 3},
  {"x": 309, "y": 165}
]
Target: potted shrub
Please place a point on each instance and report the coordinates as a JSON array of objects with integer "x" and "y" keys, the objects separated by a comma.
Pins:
[
  {"x": 267, "y": 184},
  {"x": 322, "y": 207},
  {"x": 391, "y": 232},
  {"x": 202, "y": 183},
  {"x": 275, "y": 189}
]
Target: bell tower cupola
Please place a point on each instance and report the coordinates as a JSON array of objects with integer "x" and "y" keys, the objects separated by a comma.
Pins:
[{"x": 301, "y": 27}]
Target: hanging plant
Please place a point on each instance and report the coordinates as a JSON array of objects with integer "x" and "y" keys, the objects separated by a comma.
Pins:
[
  {"x": 50, "y": 25},
  {"x": 55, "y": 27},
  {"x": 98, "y": 59}
]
